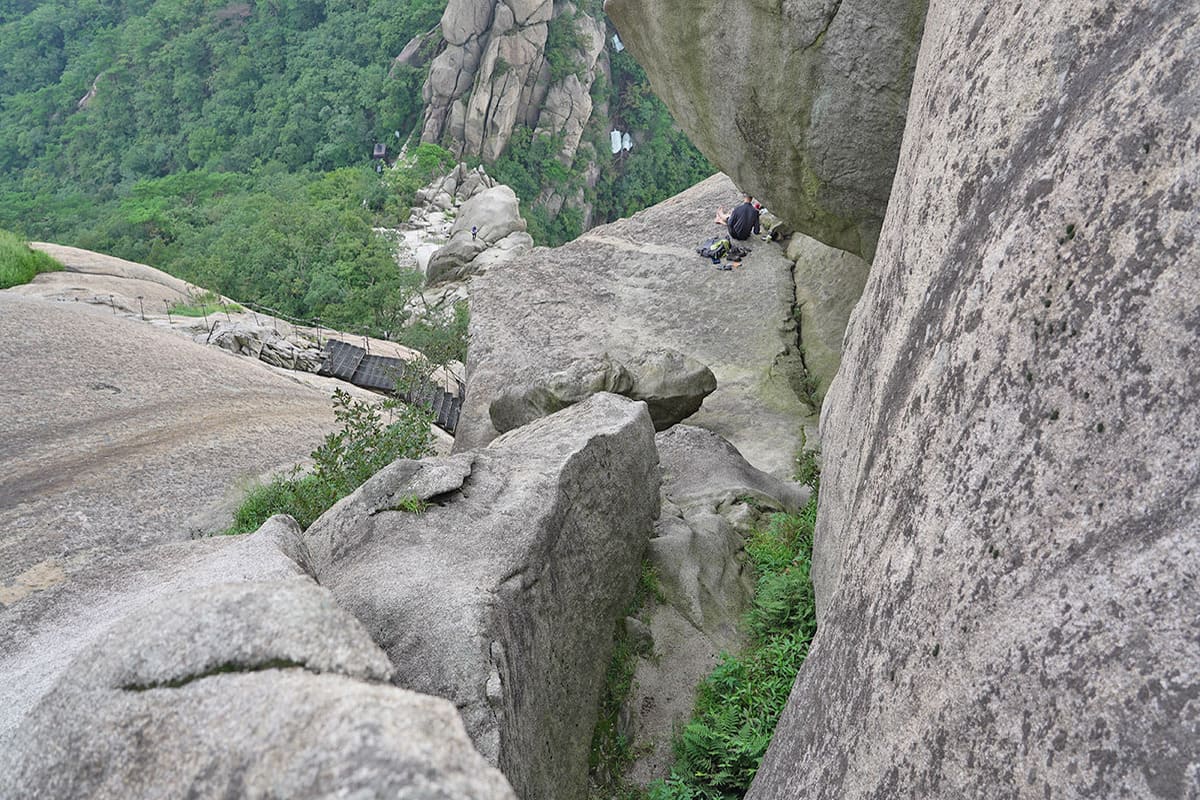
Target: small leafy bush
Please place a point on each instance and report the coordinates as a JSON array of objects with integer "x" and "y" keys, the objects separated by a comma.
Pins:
[
  {"x": 441, "y": 339},
  {"x": 808, "y": 468},
  {"x": 19, "y": 263},
  {"x": 366, "y": 443}
]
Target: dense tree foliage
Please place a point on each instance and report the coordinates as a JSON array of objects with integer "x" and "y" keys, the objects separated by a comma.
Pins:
[
  {"x": 198, "y": 84},
  {"x": 228, "y": 142}
]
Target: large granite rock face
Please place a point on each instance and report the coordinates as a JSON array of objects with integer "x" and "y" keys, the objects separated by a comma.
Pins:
[
  {"x": 255, "y": 689},
  {"x": 802, "y": 102},
  {"x": 711, "y": 499},
  {"x": 501, "y": 595},
  {"x": 637, "y": 285},
  {"x": 67, "y": 610},
  {"x": 1007, "y": 545},
  {"x": 828, "y": 284},
  {"x": 492, "y": 76}
]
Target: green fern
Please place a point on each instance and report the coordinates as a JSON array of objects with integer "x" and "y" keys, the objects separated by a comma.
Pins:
[{"x": 738, "y": 705}]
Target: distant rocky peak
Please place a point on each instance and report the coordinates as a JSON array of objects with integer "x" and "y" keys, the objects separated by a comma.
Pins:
[{"x": 501, "y": 66}]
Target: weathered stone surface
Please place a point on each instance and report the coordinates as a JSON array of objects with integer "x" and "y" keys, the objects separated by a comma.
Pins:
[
  {"x": 264, "y": 343},
  {"x": 261, "y": 689},
  {"x": 703, "y": 470},
  {"x": 53, "y": 612},
  {"x": 229, "y": 627},
  {"x": 517, "y": 406},
  {"x": 672, "y": 385},
  {"x": 802, "y": 102},
  {"x": 637, "y": 285},
  {"x": 117, "y": 434},
  {"x": 567, "y": 107},
  {"x": 828, "y": 284},
  {"x": 1007, "y": 542},
  {"x": 711, "y": 497},
  {"x": 453, "y": 189},
  {"x": 502, "y": 596},
  {"x": 418, "y": 51}
]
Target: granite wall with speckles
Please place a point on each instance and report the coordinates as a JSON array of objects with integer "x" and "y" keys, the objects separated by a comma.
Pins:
[{"x": 1009, "y": 536}]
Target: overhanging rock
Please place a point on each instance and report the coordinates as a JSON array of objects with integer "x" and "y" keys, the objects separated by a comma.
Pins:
[{"x": 802, "y": 102}]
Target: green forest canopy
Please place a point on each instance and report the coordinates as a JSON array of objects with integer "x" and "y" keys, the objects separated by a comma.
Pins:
[{"x": 229, "y": 142}]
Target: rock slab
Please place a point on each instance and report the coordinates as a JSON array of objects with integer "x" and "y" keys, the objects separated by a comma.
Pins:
[
  {"x": 118, "y": 435},
  {"x": 255, "y": 689},
  {"x": 1007, "y": 546},
  {"x": 501, "y": 595},
  {"x": 637, "y": 285}
]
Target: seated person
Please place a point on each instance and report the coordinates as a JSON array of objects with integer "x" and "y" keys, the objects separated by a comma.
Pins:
[{"x": 742, "y": 221}]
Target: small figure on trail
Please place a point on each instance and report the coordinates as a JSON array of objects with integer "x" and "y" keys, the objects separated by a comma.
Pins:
[
  {"x": 742, "y": 221},
  {"x": 474, "y": 232}
]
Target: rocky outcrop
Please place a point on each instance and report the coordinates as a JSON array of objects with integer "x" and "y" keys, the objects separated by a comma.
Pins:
[
  {"x": 801, "y": 102},
  {"x": 265, "y": 344},
  {"x": 828, "y": 284},
  {"x": 489, "y": 229},
  {"x": 268, "y": 687},
  {"x": 452, "y": 190},
  {"x": 493, "y": 76},
  {"x": 1006, "y": 552},
  {"x": 638, "y": 285},
  {"x": 711, "y": 498},
  {"x": 493, "y": 578},
  {"x": 672, "y": 385},
  {"x": 418, "y": 52}
]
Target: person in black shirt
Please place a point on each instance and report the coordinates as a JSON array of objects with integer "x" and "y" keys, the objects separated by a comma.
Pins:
[{"x": 742, "y": 221}]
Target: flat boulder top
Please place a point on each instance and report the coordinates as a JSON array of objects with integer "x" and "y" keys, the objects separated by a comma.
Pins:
[
  {"x": 635, "y": 285},
  {"x": 118, "y": 435}
]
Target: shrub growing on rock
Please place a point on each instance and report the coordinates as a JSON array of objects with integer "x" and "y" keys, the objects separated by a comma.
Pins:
[{"x": 365, "y": 444}]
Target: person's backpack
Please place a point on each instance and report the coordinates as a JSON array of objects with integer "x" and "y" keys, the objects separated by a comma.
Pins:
[{"x": 715, "y": 247}]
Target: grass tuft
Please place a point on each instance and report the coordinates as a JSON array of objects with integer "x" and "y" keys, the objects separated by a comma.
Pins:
[
  {"x": 202, "y": 304},
  {"x": 612, "y": 753},
  {"x": 19, "y": 264}
]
